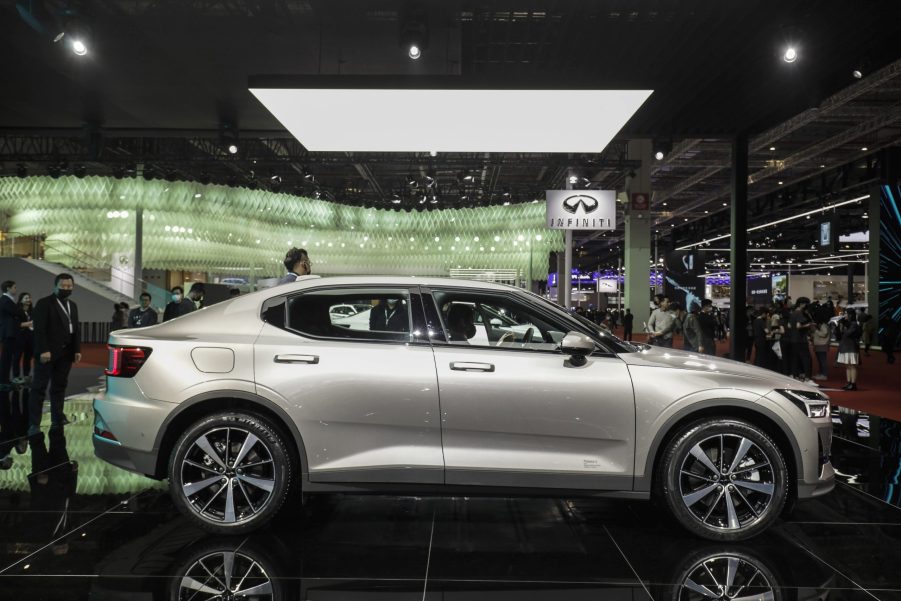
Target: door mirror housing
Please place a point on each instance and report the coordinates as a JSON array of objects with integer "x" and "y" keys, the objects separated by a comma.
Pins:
[
  {"x": 578, "y": 346},
  {"x": 496, "y": 322}
]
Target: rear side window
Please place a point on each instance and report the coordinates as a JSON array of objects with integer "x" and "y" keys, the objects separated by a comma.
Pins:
[{"x": 359, "y": 313}]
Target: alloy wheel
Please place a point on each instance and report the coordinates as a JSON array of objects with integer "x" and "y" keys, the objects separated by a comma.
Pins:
[
  {"x": 227, "y": 475},
  {"x": 727, "y": 577},
  {"x": 727, "y": 482},
  {"x": 225, "y": 575}
]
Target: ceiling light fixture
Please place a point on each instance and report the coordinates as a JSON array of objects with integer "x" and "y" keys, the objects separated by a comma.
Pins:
[
  {"x": 856, "y": 74},
  {"x": 79, "y": 47},
  {"x": 778, "y": 221},
  {"x": 790, "y": 55},
  {"x": 414, "y": 52},
  {"x": 362, "y": 119}
]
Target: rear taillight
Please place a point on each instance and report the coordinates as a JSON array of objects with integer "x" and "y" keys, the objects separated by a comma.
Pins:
[{"x": 125, "y": 361}]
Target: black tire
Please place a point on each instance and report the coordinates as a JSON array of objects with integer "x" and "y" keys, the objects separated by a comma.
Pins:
[
  {"x": 252, "y": 568},
  {"x": 743, "y": 498},
  {"x": 724, "y": 572},
  {"x": 259, "y": 483}
]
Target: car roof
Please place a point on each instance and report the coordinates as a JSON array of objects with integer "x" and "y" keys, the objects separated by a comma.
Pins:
[{"x": 308, "y": 281}]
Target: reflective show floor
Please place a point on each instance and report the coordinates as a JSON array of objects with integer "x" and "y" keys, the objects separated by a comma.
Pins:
[{"x": 73, "y": 528}]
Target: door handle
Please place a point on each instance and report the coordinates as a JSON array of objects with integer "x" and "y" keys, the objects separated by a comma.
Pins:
[
  {"x": 469, "y": 366},
  {"x": 311, "y": 359}
]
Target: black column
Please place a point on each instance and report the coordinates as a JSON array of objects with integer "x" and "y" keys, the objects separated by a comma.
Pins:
[{"x": 739, "y": 248}]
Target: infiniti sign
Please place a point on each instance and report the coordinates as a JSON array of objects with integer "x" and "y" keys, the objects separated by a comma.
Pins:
[{"x": 581, "y": 210}]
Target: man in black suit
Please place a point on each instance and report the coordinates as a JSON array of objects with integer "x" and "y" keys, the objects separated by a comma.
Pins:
[
  {"x": 388, "y": 316},
  {"x": 9, "y": 329},
  {"x": 57, "y": 345}
]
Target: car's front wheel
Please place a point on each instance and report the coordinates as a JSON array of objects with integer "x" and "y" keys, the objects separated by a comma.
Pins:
[
  {"x": 724, "y": 479},
  {"x": 230, "y": 473}
]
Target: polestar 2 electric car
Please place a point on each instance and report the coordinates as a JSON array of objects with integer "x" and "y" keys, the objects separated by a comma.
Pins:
[{"x": 448, "y": 387}]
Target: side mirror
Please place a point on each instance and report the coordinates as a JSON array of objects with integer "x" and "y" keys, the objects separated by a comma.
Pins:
[
  {"x": 578, "y": 346},
  {"x": 496, "y": 322}
]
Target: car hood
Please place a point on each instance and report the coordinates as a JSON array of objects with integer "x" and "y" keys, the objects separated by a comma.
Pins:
[{"x": 655, "y": 356}]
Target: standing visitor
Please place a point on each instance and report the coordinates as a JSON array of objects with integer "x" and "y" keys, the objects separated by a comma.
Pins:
[
  {"x": 661, "y": 325},
  {"x": 23, "y": 353},
  {"x": 57, "y": 345},
  {"x": 143, "y": 315},
  {"x": 821, "y": 337},
  {"x": 849, "y": 333},
  {"x": 628, "y": 318},
  {"x": 179, "y": 305},
  {"x": 298, "y": 263}
]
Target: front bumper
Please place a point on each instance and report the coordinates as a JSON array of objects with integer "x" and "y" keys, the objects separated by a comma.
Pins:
[{"x": 824, "y": 480}]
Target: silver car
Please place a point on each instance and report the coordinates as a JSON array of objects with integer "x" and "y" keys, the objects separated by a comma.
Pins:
[{"x": 448, "y": 387}]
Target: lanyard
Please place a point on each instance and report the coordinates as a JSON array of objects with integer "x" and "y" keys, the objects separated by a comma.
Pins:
[
  {"x": 65, "y": 309},
  {"x": 388, "y": 316}
]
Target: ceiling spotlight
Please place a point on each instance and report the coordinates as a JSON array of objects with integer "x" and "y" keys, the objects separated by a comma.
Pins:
[
  {"x": 856, "y": 74},
  {"x": 662, "y": 148},
  {"x": 864, "y": 149},
  {"x": 233, "y": 149},
  {"x": 414, "y": 32},
  {"x": 198, "y": 195},
  {"x": 79, "y": 47},
  {"x": 790, "y": 55},
  {"x": 772, "y": 148},
  {"x": 276, "y": 179}
]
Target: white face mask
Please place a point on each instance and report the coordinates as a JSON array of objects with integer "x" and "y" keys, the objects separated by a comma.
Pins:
[{"x": 176, "y": 297}]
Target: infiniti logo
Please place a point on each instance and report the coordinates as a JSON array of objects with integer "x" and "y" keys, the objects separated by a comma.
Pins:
[{"x": 589, "y": 204}]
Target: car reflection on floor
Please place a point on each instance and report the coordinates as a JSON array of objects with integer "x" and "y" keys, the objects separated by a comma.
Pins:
[{"x": 114, "y": 540}]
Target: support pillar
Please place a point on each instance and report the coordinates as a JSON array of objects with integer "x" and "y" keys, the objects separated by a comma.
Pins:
[
  {"x": 565, "y": 282},
  {"x": 560, "y": 267},
  {"x": 637, "y": 247},
  {"x": 738, "y": 273},
  {"x": 139, "y": 253}
]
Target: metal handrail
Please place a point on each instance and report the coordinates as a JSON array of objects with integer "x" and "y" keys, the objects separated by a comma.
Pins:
[{"x": 94, "y": 262}]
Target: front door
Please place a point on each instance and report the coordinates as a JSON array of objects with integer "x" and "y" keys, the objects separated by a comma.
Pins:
[{"x": 515, "y": 412}]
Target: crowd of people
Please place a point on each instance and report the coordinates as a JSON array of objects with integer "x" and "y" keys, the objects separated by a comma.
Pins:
[{"x": 783, "y": 336}]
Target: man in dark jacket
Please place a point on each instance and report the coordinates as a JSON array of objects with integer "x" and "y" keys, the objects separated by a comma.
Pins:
[
  {"x": 57, "y": 345},
  {"x": 9, "y": 329},
  {"x": 179, "y": 305},
  {"x": 144, "y": 315},
  {"x": 707, "y": 324},
  {"x": 389, "y": 316},
  {"x": 297, "y": 262},
  {"x": 628, "y": 318}
]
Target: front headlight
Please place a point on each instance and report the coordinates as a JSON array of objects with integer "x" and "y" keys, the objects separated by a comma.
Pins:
[{"x": 813, "y": 404}]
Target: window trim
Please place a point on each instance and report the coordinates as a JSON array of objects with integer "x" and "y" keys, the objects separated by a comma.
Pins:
[
  {"x": 428, "y": 292},
  {"x": 415, "y": 312}
]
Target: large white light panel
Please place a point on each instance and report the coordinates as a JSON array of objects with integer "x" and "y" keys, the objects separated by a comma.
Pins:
[{"x": 452, "y": 120}]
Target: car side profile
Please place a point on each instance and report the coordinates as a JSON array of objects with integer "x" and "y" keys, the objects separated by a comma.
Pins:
[{"x": 448, "y": 387}]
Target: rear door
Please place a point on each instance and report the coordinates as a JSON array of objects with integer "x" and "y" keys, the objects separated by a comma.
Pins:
[{"x": 362, "y": 388}]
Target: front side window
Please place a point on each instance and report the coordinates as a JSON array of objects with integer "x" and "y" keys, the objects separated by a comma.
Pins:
[
  {"x": 359, "y": 313},
  {"x": 494, "y": 320}
]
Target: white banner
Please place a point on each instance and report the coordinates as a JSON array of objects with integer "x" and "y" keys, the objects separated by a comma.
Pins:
[{"x": 581, "y": 209}]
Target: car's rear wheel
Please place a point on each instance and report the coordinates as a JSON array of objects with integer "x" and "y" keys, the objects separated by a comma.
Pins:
[
  {"x": 724, "y": 479},
  {"x": 231, "y": 472}
]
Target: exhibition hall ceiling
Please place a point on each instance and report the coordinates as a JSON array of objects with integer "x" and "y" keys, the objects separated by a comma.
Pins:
[{"x": 162, "y": 91}]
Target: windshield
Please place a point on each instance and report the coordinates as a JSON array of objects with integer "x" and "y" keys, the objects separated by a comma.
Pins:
[{"x": 586, "y": 326}]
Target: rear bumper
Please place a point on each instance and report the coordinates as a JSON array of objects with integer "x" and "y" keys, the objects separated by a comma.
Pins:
[
  {"x": 135, "y": 422},
  {"x": 128, "y": 459}
]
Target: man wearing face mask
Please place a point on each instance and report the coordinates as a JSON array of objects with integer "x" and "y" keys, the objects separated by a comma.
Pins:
[
  {"x": 389, "y": 315},
  {"x": 57, "y": 345},
  {"x": 179, "y": 305},
  {"x": 143, "y": 316}
]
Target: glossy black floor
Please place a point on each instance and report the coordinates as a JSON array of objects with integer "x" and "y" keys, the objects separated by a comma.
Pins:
[{"x": 131, "y": 544}]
